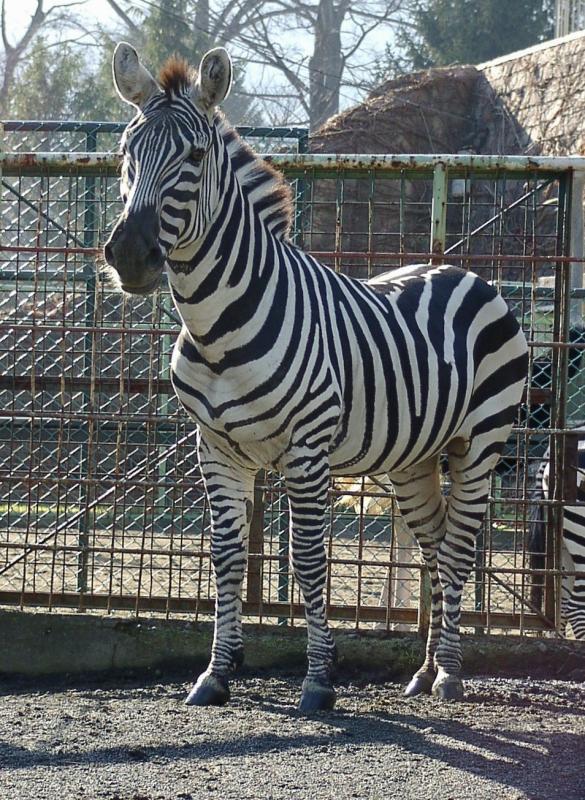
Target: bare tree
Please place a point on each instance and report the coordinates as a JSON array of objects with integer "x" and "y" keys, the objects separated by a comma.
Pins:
[
  {"x": 300, "y": 56},
  {"x": 269, "y": 34},
  {"x": 55, "y": 16},
  {"x": 338, "y": 30}
]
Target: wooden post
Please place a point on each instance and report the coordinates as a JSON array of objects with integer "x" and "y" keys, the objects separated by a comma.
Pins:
[
  {"x": 570, "y": 466},
  {"x": 424, "y": 602}
]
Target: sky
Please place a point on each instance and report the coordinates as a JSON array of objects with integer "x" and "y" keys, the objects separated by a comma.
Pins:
[{"x": 19, "y": 12}]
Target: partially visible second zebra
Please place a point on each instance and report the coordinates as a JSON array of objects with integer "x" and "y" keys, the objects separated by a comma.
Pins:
[{"x": 572, "y": 547}]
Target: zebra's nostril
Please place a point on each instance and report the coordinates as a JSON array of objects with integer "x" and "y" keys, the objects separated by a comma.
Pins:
[{"x": 154, "y": 257}]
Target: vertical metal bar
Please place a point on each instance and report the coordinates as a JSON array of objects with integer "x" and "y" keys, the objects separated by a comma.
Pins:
[
  {"x": 339, "y": 204},
  {"x": 371, "y": 244},
  {"x": 162, "y": 403},
  {"x": 576, "y": 377},
  {"x": 576, "y": 243},
  {"x": 89, "y": 224},
  {"x": 439, "y": 210},
  {"x": 402, "y": 217},
  {"x": 256, "y": 543},
  {"x": 570, "y": 466},
  {"x": 303, "y": 140},
  {"x": 283, "y": 552},
  {"x": 424, "y": 601},
  {"x": 559, "y": 358},
  {"x": 360, "y": 557},
  {"x": 301, "y": 194}
]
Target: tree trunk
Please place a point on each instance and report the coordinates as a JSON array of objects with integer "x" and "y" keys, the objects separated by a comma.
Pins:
[
  {"x": 326, "y": 63},
  {"x": 202, "y": 26}
]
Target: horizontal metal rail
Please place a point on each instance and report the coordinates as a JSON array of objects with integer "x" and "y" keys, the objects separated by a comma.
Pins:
[
  {"x": 364, "y": 255},
  {"x": 379, "y": 614},
  {"x": 78, "y": 126},
  {"x": 298, "y": 165}
]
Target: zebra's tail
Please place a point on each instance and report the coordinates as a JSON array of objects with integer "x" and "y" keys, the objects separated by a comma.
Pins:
[
  {"x": 536, "y": 548},
  {"x": 537, "y": 538}
]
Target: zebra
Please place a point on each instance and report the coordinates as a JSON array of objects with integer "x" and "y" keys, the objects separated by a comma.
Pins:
[
  {"x": 285, "y": 364},
  {"x": 572, "y": 547}
]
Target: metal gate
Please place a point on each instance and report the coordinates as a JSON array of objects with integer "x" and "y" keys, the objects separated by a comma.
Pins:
[{"x": 101, "y": 500}]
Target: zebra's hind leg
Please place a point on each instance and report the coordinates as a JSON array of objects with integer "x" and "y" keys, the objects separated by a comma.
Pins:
[
  {"x": 230, "y": 492},
  {"x": 470, "y": 466},
  {"x": 573, "y": 586},
  {"x": 574, "y": 610},
  {"x": 418, "y": 492},
  {"x": 307, "y": 482}
]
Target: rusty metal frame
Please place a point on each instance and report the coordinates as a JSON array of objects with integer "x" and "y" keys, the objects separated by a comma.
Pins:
[{"x": 264, "y": 562}]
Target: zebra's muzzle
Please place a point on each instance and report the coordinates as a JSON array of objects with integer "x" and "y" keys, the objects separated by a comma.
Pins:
[{"x": 134, "y": 252}]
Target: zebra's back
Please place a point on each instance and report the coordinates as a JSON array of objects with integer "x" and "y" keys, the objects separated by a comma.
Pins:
[{"x": 442, "y": 357}]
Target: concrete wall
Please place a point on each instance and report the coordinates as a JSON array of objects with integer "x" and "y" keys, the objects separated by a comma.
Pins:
[{"x": 42, "y": 644}]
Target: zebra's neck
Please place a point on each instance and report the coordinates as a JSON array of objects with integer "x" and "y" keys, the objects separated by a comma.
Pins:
[{"x": 233, "y": 263}]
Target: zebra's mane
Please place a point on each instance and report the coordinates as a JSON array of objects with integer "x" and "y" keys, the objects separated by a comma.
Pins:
[
  {"x": 266, "y": 186},
  {"x": 176, "y": 75}
]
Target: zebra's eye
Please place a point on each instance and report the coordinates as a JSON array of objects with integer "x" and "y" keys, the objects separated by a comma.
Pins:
[{"x": 196, "y": 155}]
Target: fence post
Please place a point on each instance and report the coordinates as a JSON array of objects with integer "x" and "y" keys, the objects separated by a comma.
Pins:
[
  {"x": 439, "y": 210},
  {"x": 558, "y": 421},
  {"x": 576, "y": 375},
  {"x": 438, "y": 240},
  {"x": 570, "y": 466},
  {"x": 424, "y": 601},
  {"x": 283, "y": 552},
  {"x": 89, "y": 223},
  {"x": 576, "y": 244},
  {"x": 256, "y": 543}
]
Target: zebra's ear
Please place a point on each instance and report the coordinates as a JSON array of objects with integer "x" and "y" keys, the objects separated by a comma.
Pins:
[
  {"x": 132, "y": 80},
  {"x": 215, "y": 78}
]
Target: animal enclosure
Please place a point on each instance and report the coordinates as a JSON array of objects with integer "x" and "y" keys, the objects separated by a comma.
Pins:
[{"x": 101, "y": 500}]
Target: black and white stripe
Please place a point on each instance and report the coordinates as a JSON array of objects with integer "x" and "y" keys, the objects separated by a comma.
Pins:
[
  {"x": 285, "y": 364},
  {"x": 572, "y": 606}
]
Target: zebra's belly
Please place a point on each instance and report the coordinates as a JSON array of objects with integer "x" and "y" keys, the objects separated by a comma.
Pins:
[
  {"x": 368, "y": 439},
  {"x": 384, "y": 456},
  {"x": 383, "y": 434}
]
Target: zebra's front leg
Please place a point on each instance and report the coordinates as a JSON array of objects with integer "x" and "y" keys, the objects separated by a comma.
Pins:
[
  {"x": 307, "y": 482},
  {"x": 230, "y": 493}
]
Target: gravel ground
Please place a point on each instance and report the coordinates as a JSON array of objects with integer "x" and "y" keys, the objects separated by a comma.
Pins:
[{"x": 128, "y": 739}]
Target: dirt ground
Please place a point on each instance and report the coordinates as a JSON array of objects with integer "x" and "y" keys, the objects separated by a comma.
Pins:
[{"x": 133, "y": 739}]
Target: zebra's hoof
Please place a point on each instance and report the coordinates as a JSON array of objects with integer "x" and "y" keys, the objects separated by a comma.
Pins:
[
  {"x": 448, "y": 687},
  {"x": 421, "y": 683},
  {"x": 209, "y": 690},
  {"x": 316, "y": 696}
]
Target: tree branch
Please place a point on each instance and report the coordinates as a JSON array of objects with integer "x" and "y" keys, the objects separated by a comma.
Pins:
[{"x": 130, "y": 24}]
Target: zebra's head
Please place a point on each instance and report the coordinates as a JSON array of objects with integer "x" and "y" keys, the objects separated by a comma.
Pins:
[{"x": 165, "y": 152}]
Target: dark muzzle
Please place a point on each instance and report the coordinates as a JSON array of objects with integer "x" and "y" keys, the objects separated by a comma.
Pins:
[{"x": 133, "y": 251}]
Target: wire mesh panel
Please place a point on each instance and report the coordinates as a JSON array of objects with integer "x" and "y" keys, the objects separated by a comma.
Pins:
[
  {"x": 101, "y": 500},
  {"x": 67, "y": 136}
]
